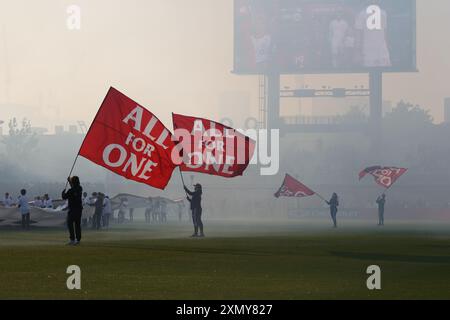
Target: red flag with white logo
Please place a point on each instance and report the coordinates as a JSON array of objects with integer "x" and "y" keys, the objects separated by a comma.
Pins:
[
  {"x": 130, "y": 141},
  {"x": 210, "y": 147},
  {"x": 293, "y": 188},
  {"x": 384, "y": 176}
]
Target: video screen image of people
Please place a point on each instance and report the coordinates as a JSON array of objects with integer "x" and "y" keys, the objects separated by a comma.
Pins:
[{"x": 290, "y": 35}]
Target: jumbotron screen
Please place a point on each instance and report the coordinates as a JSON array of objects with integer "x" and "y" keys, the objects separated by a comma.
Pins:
[{"x": 324, "y": 36}]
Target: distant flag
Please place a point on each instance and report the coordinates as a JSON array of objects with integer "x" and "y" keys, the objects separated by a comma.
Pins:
[
  {"x": 294, "y": 188},
  {"x": 384, "y": 176}
]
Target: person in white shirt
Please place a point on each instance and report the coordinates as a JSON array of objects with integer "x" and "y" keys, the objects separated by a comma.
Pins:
[
  {"x": 8, "y": 202},
  {"x": 261, "y": 41},
  {"x": 37, "y": 202},
  {"x": 86, "y": 203},
  {"x": 262, "y": 48},
  {"x": 24, "y": 208},
  {"x": 339, "y": 29},
  {"x": 123, "y": 207},
  {"x": 86, "y": 200},
  {"x": 48, "y": 202}
]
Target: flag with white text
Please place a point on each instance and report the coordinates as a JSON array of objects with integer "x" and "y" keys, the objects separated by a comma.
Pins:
[{"x": 130, "y": 141}]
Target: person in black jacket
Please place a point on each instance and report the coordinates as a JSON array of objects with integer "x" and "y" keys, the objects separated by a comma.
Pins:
[
  {"x": 334, "y": 204},
  {"x": 74, "y": 197},
  {"x": 196, "y": 206}
]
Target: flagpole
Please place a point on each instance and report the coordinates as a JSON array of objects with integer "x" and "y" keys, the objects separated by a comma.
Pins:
[
  {"x": 73, "y": 167},
  {"x": 388, "y": 188},
  {"x": 320, "y": 197},
  {"x": 182, "y": 180}
]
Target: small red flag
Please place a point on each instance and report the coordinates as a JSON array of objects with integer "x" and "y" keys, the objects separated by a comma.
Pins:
[
  {"x": 130, "y": 141},
  {"x": 384, "y": 176},
  {"x": 209, "y": 147},
  {"x": 293, "y": 188}
]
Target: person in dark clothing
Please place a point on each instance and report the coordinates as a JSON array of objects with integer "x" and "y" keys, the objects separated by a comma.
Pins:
[
  {"x": 98, "y": 211},
  {"x": 334, "y": 204},
  {"x": 381, "y": 201},
  {"x": 74, "y": 198},
  {"x": 196, "y": 206},
  {"x": 24, "y": 209}
]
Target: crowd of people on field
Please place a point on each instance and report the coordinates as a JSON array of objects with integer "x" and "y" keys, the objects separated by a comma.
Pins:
[
  {"x": 102, "y": 208},
  {"x": 24, "y": 204},
  {"x": 77, "y": 201},
  {"x": 43, "y": 202}
]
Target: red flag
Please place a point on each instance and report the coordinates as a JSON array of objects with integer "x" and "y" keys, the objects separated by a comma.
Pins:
[
  {"x": 293, "y": 188},
  {"x": 384, "y": 176},
  {"x": 130, "y": 141},
  {"x": 209, "y": 147}
]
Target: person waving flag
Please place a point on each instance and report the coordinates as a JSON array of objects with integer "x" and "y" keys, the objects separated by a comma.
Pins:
[{"x": 384, "y": 176}]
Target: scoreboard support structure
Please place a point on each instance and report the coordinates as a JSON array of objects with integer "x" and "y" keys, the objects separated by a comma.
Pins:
[
  {"x": 376, "y": 111},
  {"x": 373, "y": 128}
]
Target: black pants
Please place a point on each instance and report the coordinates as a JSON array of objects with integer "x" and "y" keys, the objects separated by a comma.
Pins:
[
  {"x": 333, "y": 212},
  {"x": 26, "y": 221},
  {"x": 74, "y": 225},
  {"x": 97, "y": 221},
  {"x": 381, "y": 217},
  {"x": 197, "y": 220}
]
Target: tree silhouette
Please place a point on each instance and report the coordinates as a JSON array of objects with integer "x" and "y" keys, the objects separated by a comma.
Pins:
[{"x": 21, "y": 141}]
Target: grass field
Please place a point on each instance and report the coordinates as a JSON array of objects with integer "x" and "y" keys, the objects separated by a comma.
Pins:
[{"x": 238, "y": 260}]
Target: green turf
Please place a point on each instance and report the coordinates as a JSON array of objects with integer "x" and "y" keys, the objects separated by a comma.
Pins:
[{"x": 280, "y": 260}]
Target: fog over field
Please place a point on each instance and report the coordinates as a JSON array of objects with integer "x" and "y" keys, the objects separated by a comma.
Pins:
[{"x": 177, "y": 56}]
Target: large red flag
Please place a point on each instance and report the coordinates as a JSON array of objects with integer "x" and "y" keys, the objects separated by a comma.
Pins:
[
  {"x": 130, "y": 141},
  {"x": 384, "y": 176},
  {"x": 209, "y": 147},
  {"x": 293, "y": 188}
]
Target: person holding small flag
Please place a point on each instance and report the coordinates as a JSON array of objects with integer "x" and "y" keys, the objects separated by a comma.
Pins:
[
  {"x": 291, "y": 187},
  {"x": 384, "y": 177},
  {"x": 8, "y": 202}
]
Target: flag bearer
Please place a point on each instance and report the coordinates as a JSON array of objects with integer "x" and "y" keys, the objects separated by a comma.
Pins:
[
  {"x": 74, "y": 198},
  {"x": 196, "y": 206},
  {"x": 334, "y": 204},
  {"x": 381, "y": 201}
]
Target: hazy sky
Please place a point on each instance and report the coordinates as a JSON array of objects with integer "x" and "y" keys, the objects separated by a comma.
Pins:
[{"x": 169, "y": 55}]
